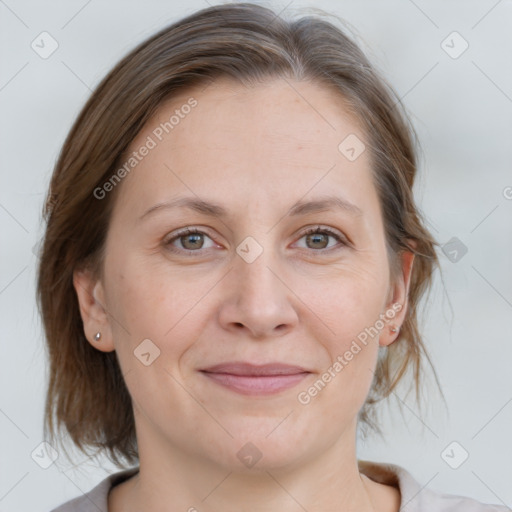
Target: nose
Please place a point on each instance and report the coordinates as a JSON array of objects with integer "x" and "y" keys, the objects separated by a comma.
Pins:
[{"x": 257, "y": 299}]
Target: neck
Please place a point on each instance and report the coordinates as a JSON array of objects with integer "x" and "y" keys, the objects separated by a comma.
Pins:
[{"x": 183, "y": 481}]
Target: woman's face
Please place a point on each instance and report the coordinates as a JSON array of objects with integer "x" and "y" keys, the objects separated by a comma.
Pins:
[{"x": 193, "y": 317}]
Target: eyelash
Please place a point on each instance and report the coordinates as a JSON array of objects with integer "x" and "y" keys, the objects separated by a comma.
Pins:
[{"x": 194, "y": 231}]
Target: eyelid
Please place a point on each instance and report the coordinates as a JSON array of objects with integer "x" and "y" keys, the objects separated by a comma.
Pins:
[
  {"x": 340, "y": 237},
  {"x": 192, "y": 230},
  {"x": 342, "y": 240}
]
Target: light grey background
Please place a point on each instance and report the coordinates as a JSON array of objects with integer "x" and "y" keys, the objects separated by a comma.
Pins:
[{"x": 462, "y": 109}]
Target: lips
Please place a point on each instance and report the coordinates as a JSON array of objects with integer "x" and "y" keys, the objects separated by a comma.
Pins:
[
  {"x": 249, "y": 379},
  {"x": 248, "y": 369}
]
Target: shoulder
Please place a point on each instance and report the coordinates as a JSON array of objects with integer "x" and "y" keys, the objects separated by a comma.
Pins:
[
  {"x": 416, "y": 497},
  {"x": 96, "y": 500}
]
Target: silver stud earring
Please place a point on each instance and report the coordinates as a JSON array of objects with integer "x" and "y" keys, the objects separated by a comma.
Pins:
[
  {"x": 97, "y": 336},
  {"x": 394, "y": 329}
]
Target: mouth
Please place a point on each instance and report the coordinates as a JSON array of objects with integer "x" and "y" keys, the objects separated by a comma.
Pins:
[{"x": 249, "y": 379}]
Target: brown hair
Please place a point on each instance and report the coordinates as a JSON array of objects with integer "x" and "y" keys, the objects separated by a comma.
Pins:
[{"x": 86, "y": 390}]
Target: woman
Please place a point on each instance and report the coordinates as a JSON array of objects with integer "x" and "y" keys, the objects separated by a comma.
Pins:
[{"x": 231, "y": 272}]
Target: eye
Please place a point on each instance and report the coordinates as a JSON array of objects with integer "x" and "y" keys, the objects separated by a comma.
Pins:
[
  {"x": 190, "y": 240},
  {"x": 318, "y": 238}
]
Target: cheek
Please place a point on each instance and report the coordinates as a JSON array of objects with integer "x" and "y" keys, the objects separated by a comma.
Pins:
[
  {"x": 143, "y": 304},
  {"x": 347, "y": 308},
  {"x": 146, "y": 301},
  {"x": 341, "y": 387},
  {"x": 348, "y": 300}
]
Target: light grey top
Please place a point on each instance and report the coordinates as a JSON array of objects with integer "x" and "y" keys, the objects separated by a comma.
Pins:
[{"x": 414, "y": 497}]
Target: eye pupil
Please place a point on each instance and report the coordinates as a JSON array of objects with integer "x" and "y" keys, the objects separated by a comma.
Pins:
[
  {"x": 195, "y": 236},
  {"x": 315, "y": 239}
]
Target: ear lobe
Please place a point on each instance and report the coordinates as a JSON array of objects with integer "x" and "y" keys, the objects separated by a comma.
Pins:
[{"x": 91, "y": 302}]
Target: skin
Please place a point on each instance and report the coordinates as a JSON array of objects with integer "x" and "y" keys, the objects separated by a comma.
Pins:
[{"x": 256, "y": 151}]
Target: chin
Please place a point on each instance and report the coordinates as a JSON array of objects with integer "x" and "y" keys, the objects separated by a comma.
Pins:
[{"x": 267, "y": 448}]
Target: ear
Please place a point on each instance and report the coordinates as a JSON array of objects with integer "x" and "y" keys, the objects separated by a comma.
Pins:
[
  {"x": 396, "y": 308},
  {"x": 91, "y": 300}
]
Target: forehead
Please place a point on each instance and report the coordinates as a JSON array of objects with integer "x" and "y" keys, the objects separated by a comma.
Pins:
[
  {"x": 279, "y": 137},
  {"x": 277, "y": 112}
]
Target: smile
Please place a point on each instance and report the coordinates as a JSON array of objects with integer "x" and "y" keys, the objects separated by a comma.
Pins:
[{"x": 248, "y": 379}]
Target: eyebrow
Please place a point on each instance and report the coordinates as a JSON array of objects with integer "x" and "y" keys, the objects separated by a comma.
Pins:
[{"x": 323, "y": 204}]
